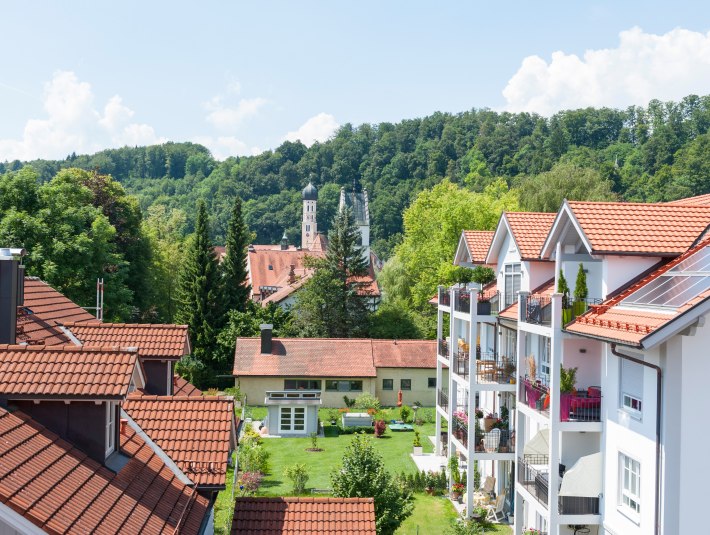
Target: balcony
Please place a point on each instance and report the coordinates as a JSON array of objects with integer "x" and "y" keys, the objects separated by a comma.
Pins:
[
  {"x": 535, "y": 480},
  {"x": 442, "y": 399},
  {"x": 535, "y": 394},
  {"x": 578, "y": 505},
  {"x": 493, "y": 368},
  {"x": 444, "y": 297},
  {"x": 536, "y": 309},
  {"x": 500, "y": 441},
  {"x": 582, "y": 406},
  {"x": 572, "y": 308},
  {"x": 460, "y": 363},
  {"x": 459, "y": 427},
  {"x": 488, "y": 303},
  {"x": 462, "y": 300},
  {"x": 443, "y": 347}
]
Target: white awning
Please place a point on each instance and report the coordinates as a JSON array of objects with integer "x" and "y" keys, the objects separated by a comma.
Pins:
[
  {"x": 539, "y": 444},
  {"x": 584, "y": 478}
]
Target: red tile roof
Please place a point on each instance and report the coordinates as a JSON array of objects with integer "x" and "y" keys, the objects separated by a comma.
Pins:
[
  {"x": 305, "y": 357},
  {"x": 43, "y": 308},
  {"x": 61, "y": 372},
  {"x": 529, "y": 229},
  {"x": 661, "y": 229},
  {"x": 304, "y": 516},
  {"x": 269, "y": 265},
  {"x": 197, "y": 433},
  {"x": 61, "y": 490},
  {"x": 478, "y": 243},
  {"x": 182, "y": 387},
  {"x": 404, "y": 353},
  {"x": 153, "y": 341},
  {"x": 545, "y": 289},
  {"x": 612, "y": 320},
  {"x": 698, "y": 200}
]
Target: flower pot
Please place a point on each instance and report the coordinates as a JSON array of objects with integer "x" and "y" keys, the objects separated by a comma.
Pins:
[
  {"x": 488, "y": 423},
  {"x": 484, "y": 308},
  {"x": 429, "y": 491},
  {"x": 456, "y": 496},
  {"x": 417, "y": 450}
]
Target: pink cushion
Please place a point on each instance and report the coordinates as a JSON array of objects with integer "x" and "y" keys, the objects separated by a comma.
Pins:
[{"x": 593, "y": 392}]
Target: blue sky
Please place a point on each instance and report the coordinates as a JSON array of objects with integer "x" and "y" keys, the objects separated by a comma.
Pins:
[{"x": 242, "y": 76}]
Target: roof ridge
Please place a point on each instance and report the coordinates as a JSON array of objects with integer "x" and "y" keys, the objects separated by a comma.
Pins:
[
  {"x": 68, "y": 348},
  {"x": 132, "y": 325}
]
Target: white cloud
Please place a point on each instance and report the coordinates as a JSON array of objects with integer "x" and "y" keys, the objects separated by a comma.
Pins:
[
  {"x": 644, "y": 66},
  {"x": 318, "y": 128},
  {"x": 73, "y": 124},
  {"x": 226, "y": 117},
  {"x": 223, "y": 147}
]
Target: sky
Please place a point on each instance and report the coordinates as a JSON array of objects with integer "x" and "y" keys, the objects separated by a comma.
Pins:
[{"x": 242, "y": 77}]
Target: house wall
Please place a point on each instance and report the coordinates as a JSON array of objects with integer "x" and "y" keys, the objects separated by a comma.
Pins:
[
  {"x": 420, "y": 390},
  {"x": 619, "y": 270},
  {"x": 156, "y": 377},
  {"x": 588, "y": 364},
  {"x": 255, "y": 388},
  {"x": 536, "y": 274}
]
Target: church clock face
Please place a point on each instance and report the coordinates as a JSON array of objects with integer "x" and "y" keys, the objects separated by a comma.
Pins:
[{"x": 308, "y": 234}]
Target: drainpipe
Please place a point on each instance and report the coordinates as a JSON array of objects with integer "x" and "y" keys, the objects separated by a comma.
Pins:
[{"x": 659, "y": 375}]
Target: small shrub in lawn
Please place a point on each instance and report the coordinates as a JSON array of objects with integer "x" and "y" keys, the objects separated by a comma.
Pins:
[
  {"x": 298, "y": 476},
  {"x": 368, "y": 429},
  {"x": 333, "y": 415},
  {"x": 250, "y": 481},
  {"x": 405, "y": 414},
  {"x": 367, "y": 401},
  {"x": 314, "y": 443},
  {"x": 253, "y": 457},
  {"x": 380, "y": 428}
]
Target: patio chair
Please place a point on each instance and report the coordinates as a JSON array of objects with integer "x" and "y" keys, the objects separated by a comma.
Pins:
[
  {"x": 489, "y": 485},
  {"x": 495, "y": 511},
  {"x": 491, "y": 440}
]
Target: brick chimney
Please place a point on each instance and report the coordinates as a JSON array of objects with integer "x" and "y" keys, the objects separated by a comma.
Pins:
[
  {"x": 266, "y": 343},
  {"x": 12, "y": 292}
]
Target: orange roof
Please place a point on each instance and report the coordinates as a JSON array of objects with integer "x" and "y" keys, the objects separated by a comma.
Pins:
[
  {"x": 478, "y": 243},
  {"x": 404, "y": 353},
  {"x": 269, "y": 265},
  {"x": 661, "y": 229},
  {"x": 546, "y": 289},
  {"x": 305, "y": 357},
  {"x": 153, "y": 341},
  {"x": 698, "y": 200},
  {"x": 197, "y": 433},
  {"x": 617, "y": 321},
  {"x": 304, "y": 516},
  {"x": 61, "y": 490},
  {"x": 62, "y": 372},
  {"x": 182, "y": 387},
  {"x": 529, "y": 231}
]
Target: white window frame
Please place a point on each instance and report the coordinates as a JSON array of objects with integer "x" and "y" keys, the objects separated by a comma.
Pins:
[
  {"x": 292, "y": 419},
  {"x": 510, "y": 273},
  {"x": 545, "y": 348},
  {"x": 629, "y": 487},
  {"x": 110, "y": 428},
  {"x": 632, "y": 404},
  {"x": 169, "y": 384}
]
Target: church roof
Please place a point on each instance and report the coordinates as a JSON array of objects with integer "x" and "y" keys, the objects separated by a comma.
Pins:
[{"x": 310, "y": 193}]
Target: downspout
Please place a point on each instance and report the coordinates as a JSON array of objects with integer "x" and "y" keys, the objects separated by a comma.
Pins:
[{"x": 658, "y": 427}]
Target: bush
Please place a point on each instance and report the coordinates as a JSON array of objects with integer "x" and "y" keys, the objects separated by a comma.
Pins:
[
  {"x": 368, "y": 429},
  {"x": 253, "y": 457},
  {"x": 333, "y": 415},
  {"x": 380, "y": 428},
  {"x": 405, "y": 414},
  {"x": 349, "y": 403},
  {"x": 366, "y": 401},
  {"x": 250, "y": 481},
  {"x": 298, "y": 476},
  {"x": 235, "y": 392}
]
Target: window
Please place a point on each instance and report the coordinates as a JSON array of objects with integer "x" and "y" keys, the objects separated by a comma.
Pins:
[
  {"x": 405, "y": 384},
  {"x": 302, "y": 384},
  {"x": 110, "y": 428},
  {"x": 511, "y": 283},
  {"x": 545, "y": 349},
  {"x": 630, "y": 483},
  {"x": 387, "y": 384},
  {"x": 343, "y": 386},
  {"x": 308, "y": 228},
  {"x": 293, "y": 419},
  {"x": 431, "y": 382},
  {"x": 631, "y": 388},
  {"x": 510, "y": 343}
]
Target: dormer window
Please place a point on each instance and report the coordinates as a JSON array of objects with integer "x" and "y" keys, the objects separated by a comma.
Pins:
[
  {"x": 512, "y": 276},
  {"x": 110, "y": 428}
]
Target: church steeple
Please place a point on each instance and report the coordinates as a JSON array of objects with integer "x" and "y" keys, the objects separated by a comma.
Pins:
[{"x": 309, "y": 224}]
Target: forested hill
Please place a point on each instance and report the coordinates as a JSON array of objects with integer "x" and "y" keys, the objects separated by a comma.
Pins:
[{"x": 660, "y": 152}]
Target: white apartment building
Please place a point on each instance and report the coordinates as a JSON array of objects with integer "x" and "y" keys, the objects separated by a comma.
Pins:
[{"x": 614, "y": 454}]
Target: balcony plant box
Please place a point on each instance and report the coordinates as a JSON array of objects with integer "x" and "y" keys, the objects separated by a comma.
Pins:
[
  {"x": 484, "y": 308},
  {"x": 488, "y": 422}
]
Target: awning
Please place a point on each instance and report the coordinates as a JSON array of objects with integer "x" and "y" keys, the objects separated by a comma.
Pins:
[
  {"x": 539, "y": 444},
  {"x": 584, "y": 478}
]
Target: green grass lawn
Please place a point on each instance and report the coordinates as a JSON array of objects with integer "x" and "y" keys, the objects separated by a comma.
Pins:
[
  {"x": 432, "y": 516},
  {"x": 224, "y": 507}
]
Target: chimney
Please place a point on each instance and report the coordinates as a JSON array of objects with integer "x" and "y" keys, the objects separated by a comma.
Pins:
[
  {"x": 12, "y": 290},
  {"x": 124, "y": 425},
  {"x": 292, "y": 274},
  {"x": 266, "y": 338}
]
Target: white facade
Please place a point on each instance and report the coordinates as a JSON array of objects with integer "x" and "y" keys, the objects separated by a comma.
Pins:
[{"x": 309, "y": 223}]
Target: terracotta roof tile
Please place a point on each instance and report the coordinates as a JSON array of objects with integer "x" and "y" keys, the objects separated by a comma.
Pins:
[
  {"x": 182, "y": 387},
  {"x": 197, "y": 433},
  {"x": 61, "y": 490},
  {"x": 404, "y": 353},
  {"x": 698, "y": 200},
  {"x": 478, "y": 243},
  {"x": 153, "y": 341},
  {"x": 63, "y": 372},
  {"x": 306, "y": 357},
  {"x": 269, "y": 265},
  {"x": 304, "y": 516},
  {"x": 529, "y": 229},
  {"x": 662, "y": 229}
]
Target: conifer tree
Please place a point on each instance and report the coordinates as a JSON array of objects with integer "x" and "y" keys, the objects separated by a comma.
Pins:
[
  {"x": 580, "y": 286},
  {"x": 233, "y": 269},
  {"x": 197, "y": 292},
  {"x": 563, "y": 288}
]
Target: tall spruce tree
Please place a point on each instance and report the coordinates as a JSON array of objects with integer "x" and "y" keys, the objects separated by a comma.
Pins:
[
  {"x": 233, "y": 269},
  {"x": 197, "y": 293},
  {"x": 332, "y": 303}
]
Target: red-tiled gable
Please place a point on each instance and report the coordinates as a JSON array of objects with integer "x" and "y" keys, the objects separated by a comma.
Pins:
[
  {"x": 404, "y": 353},
  {"x": 546, "y": 289},
  {"x": 153, "y": 341},
  {"x": 43, "y": 308},
  {"x": 529, "y": 230},
  {"x": 269, "y": 265},
  {"x": 61, "y": 490},
  {"x": 197, "y": 433},
  {"x": 627, "y": 324},
  {"x": 478, "y": 243},
  {"x": 182, "y": 387},
  {"x": 637, "y": 228},
  {"x": 698, "y": 200},
  {"x": 61, "y": 372},
  {"x": 305, "y": 357},
  {"x": 304, "y": 516}
]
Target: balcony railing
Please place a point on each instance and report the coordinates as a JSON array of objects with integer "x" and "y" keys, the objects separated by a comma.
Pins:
[
  {"x": 536, "y": 309},
  {"x": 571, "y": 308},
  {"x": 493, "y": 368},
  {"x": 442, "y": 399},
  {"x": 535, "y": 394},
  {"x": 444, "y": 298},
  {"x": 578, "y": 505},
  {"x": 488, "y": 303},
  {"x": 584, "y": 406},
  {"x": 443, "y": 348},
  {"x": 502, "y": 441},
  {"x": 460, "y": 364},
  {"x": 462, "y": 300},
  {"x": 460, "y": 431},
  {"x": 535, "y": 480}
]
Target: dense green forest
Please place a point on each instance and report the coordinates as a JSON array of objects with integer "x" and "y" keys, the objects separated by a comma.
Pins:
[{"x": 659, "y": 152}]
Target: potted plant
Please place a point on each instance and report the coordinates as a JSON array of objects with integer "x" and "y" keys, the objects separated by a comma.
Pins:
[
  {"x": 484, "y": 306},
  {"x": 563, "y": 288},
  {"x": 568, "y": 381},
  {"x": 457, "y": 490},
  {"x": 488, "y": 422},
  {"x": 580, "y": 292},
  {"x": 417, "y": 444}
]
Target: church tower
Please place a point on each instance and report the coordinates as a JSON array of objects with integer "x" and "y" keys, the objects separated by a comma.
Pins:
[
  {"x": 358, "y": 202},
  {"x": 309, "y": 224}
]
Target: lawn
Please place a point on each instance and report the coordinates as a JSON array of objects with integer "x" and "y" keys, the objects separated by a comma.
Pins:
[
  {"x": 224, "y": 507},
  {"x": 432, "y": 516}
]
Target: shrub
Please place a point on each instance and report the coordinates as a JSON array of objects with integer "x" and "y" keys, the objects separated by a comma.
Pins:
[
  {"x": 250, "y": 481},
  {"x": 235, "y": 392},
  {"x": 380, "y": 428},
  {"x": 454, "y": 473},
  {"x": 367, "y": 401},
  {"x": 405, "y": 413},
  {"x": 298, "y": 476},
  {"x": 314, "y": 441},
  {"x": 349, "y": 403},
  {"x": 417, "y": 443},
  {"x": 253, "y": 457},
  {"x": 332, "y": 415}
]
